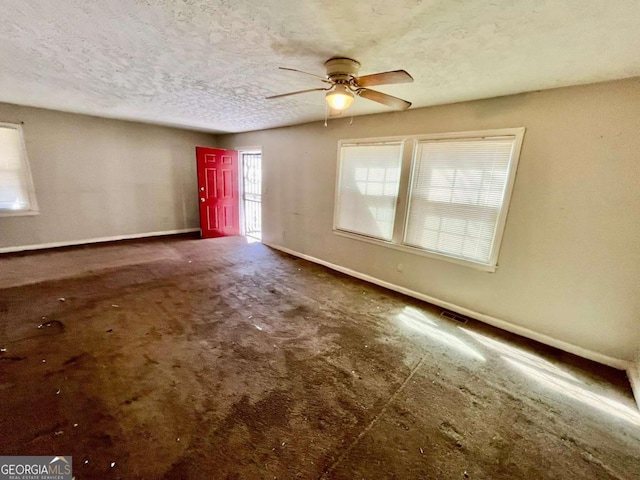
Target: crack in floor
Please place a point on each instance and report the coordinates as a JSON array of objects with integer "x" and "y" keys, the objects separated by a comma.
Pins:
[{"x": 373, "y": 421}]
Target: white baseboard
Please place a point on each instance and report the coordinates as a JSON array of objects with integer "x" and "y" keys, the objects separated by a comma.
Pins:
[
  {"x": 40, "y": 246},
  {"x": 633, "y": 372},
  {"x": 496, "y": 322}
]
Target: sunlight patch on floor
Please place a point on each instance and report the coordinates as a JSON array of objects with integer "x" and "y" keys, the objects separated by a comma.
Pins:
[
  {"x": 578, "y": 392},
  {"x": 417, "y": 321},
  {"x": 519, "y": 354}
]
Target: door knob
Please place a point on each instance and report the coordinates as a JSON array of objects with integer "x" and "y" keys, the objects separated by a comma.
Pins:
[{"x": 202, "y": 199}]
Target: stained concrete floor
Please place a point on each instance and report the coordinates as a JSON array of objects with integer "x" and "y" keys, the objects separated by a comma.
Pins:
[{"x": 179, "y": 358}]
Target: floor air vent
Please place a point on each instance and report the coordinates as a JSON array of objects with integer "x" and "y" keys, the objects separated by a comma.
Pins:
[{"x": 454, "y": 316}]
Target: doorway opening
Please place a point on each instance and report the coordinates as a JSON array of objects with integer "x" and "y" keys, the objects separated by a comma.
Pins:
[{"x": 252, "y": 194}]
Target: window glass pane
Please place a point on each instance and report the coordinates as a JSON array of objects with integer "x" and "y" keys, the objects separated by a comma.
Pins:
[
  {"x": 14, "y": 176},
  {"x": 457, "y": 194},
  {"x": 10, "y": 149},
  {"x": 368, "y": 188}
]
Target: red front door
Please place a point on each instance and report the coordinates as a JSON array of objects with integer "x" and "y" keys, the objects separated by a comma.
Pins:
[{"x": 218, "y": 192}]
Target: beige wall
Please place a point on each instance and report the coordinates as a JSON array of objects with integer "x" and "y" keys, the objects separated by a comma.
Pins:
[
  {"x": 569, "y": 266},
  {"x": 97, "y": 178}
]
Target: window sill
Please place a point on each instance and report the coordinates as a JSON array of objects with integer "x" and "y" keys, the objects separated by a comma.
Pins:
[
  {"x": 19, "y": 213},
  {"x": 416, "y": 251}
]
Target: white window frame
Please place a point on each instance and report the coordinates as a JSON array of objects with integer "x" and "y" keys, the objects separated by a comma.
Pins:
[
  {"x": 406, "y": 174},
  {"x": 27, "y": 177}
]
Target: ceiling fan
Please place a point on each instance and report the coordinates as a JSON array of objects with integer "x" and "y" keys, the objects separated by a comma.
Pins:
[{"x": 343, "y": 85}]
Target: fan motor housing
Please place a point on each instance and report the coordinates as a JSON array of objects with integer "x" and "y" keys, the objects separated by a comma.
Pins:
[{"x": 340, "y": 68}]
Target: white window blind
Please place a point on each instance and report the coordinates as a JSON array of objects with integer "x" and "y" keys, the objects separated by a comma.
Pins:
[
  {"x": 368, "y": 188},
  {"x": 457, "y": 196},
  {"x": 16, "y": 187}
]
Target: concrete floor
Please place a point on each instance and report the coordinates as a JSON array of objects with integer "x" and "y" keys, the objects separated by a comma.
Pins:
[{"x": 179, "y": 358}]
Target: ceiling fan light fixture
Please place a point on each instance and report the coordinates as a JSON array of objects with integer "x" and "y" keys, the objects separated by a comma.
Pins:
[
  {"x": 339, "y": 98},
  {"x": 344, "y": 84}
]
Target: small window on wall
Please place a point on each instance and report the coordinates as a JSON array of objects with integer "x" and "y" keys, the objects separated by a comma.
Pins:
[
  {"x": 17, "y": 196},
  {"x": 455, "y": 189},
  {"x": 368, "y": 188}
]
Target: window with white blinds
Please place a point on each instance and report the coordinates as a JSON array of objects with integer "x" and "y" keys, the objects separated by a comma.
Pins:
[
  {"x": 457, "y": 188},
  {"x": 16, "y": 186},
  {"x": 369, "y": 176},
  {"x": 457, "y": 195}
]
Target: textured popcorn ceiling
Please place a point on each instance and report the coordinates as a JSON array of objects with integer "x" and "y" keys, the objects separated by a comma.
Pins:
[{"x": 208, "y": 64}]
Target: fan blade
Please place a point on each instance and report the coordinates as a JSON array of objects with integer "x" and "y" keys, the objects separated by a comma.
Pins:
[
  {"x": 385, "y": 78},
  {"x": 383, "y": 98},
  {"x": 324, "y": 79},
  {"x": 296, "y": 93}
]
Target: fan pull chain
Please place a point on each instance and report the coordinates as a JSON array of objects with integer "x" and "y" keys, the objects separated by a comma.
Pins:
[{"x": 326, "y": 113}]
